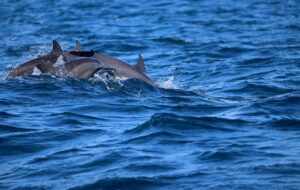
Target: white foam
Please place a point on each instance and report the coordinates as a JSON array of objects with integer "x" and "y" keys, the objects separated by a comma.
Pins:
[
  {"x": 110, "y": 82},
  {"x": 3, "y": 75},
  {"x": 59, "y": 62},
  {"x": 168, "y": 84},
  {"x": 36, "y": 71},
  {"x": 120, "y": 78}
]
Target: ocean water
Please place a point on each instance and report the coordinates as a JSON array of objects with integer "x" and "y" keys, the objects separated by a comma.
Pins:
[{"x": 226, "y": 116}]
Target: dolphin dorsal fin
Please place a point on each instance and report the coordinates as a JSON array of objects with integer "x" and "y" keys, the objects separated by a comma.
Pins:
[
  {"x": 56, "y": 49},
  {"x": 77, "y": 46},
  {"x": 140, "y": 66}
]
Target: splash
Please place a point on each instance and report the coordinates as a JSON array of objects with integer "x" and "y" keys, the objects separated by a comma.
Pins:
[
  {"x": 168, "y": 84},
  {"x": 59, "y": 62},
  {"x": 36, "y": 71},
  {"x": 3, "y": 75},
  {"x": 110, "y": 82}
]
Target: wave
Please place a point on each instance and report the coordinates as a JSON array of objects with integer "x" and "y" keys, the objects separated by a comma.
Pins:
[
  {"x": 262, "y": 62},
  {"x": 291, "y": 168},
  {"x": 4, "y": 114},
  {"x": 172, "y": 40},
  {"x": 74, "y": 116},
  {"x": 220, "y": 155},
  {"x": 285, "y": 124},
  {"x": 10, "y": 145},
  {"x": 12, "y": 129},
  {"x": 232, "y": 51},
  {"x": 259, "y": 90},
  {"x": 122, "y": 183},
  {"x": 178, "y": 124},
  {"x": 162, "y": 136}
]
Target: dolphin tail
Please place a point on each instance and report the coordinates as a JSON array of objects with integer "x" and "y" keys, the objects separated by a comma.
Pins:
[
  {"x": 140, "y": 66},
  {"x": 56, "y": 48}
]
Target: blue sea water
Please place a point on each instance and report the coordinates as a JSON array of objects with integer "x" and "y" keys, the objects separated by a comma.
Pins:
[{"x": 226, "y": 116}]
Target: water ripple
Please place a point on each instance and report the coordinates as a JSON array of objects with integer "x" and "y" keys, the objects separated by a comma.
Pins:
[{"x": 226, "y": 115}]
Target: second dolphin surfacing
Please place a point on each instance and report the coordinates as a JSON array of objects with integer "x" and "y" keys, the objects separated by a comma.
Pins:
[{"x": 120, "y": 68}]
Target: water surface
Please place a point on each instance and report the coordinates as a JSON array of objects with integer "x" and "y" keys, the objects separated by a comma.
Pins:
[{"x": 227, "y": 117}]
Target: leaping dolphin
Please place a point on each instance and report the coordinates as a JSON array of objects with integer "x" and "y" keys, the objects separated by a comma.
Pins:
[
  {"x": 83, "y": 68},
  {"x": 76, "y": 66},
  {"x": 28, "y": 67},
  {"x": 82, "y": 65},
  {"x": 121, "y": 68}
]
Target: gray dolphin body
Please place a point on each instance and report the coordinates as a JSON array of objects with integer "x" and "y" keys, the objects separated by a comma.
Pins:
[
  {"x": 82, "y": 68},
  {"x": 82, "y": 65},
  {"x": 121, "y": 68},
  {"x": 75, "y": 67},
  {"x": 27, "y": 68}
]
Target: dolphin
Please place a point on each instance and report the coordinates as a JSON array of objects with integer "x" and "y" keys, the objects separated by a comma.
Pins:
[
  {"x": 120, "y": 68},
  {"x": 76, "y": 53},
  {"x": 83, "y": 68},
  {"x": 51, "y": 58},
  {"x": 80, "y": 66},
  {"x": 28, "y": 67}
]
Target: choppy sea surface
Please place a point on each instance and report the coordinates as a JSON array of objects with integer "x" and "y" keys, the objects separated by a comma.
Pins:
[{"x": 226, "y": 116}]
